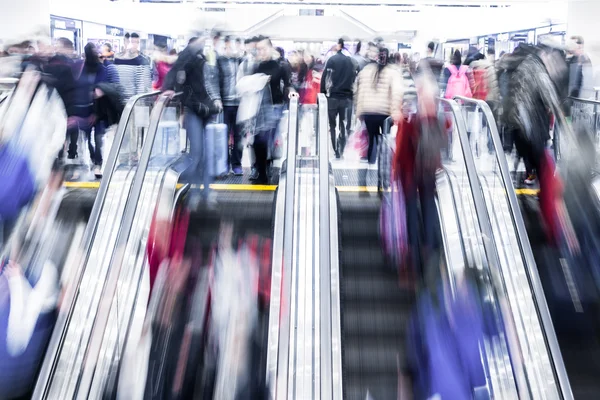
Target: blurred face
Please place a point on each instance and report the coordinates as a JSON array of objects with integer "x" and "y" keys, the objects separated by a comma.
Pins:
[
  {"x": 264, "y": 51},
  {"x": 105, "y": 52},
  {"x": 308, "y": 59},
  {"x": 134, "y": 44}
]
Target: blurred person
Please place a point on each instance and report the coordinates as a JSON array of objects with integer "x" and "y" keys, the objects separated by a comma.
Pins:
[
  {"x": 247, "y": 67},
  {"x": 280, "y": 83},
  {"x": 201, "y": 102},
  {"x": 298, "y": 70},
  {"x": 229, "y": 63},
  {"x": 125, "y": 50},
  {"x": 435, "y": 65},
  {"x": 455, "y": 79},
  {"x": 360, "y": 56},
  {"x": 378, "y": 95},
  {"x": 92, "y": 74},
  {"x": 64, "y": 71},
  {"x": 419, "y": 143},
  {"x": 337, "y": 83},
  {"x": 580, "y": 70},
  {"x": 134, "y": 70},
  {"x": 163, "y": 63},
  {"x": 248, "y": 63},
  {"x": 531, "y": 97},
  {"x": 312, "y": 85},
  {"x": 107, "y": 56}
]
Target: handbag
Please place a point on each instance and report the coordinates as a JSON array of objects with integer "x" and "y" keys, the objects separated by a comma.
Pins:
[{"x": 392, "y": 226}]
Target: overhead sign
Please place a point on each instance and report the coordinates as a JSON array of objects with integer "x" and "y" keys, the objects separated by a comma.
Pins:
[{"x": 114, "y": 31}]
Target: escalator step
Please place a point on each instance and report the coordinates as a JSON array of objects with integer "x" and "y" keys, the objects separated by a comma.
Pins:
[
  {"x": 357, "y": 258},
  {"x": 373, "y": 357},
  {"x": 379, "y": 388},
  {"x": 375, "y": 287},
  {"x": 384, "y": 321}
]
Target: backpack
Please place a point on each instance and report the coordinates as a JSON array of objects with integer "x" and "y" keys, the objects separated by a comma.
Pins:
[{"x": 458, "y": 84}]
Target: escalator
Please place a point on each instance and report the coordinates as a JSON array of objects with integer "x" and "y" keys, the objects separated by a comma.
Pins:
[
  {"x": 375, "y": 310},
  {"x": 87, "y": 362},
  {"x": 532, "y": 273}
]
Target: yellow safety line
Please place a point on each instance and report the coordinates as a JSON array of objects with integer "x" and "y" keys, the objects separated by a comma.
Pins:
[
  {"x": 353, "y": 189},
  {"x": 527, "y": 192},
  {"x": 263, "y": 188},
  {"x": 82, "y": 185},
  {"x": 215, "y": 186}
]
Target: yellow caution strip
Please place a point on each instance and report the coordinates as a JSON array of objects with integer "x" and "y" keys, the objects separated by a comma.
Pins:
[
  {"x": 215, "y": 186},
  {"x": 527, "y": 192},
  {"x": 82, "y": 185},
  {"x": 271, "y": 188},
  {"x": 354, "y": 189}
]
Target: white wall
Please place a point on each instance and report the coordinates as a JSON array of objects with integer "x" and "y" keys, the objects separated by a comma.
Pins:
[
  {"x": 22, "y": 17},
  {"x": 430, "y": 22}
]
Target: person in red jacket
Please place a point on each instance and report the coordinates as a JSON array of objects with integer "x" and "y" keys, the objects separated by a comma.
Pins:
[{"x": 418, "y": 146}]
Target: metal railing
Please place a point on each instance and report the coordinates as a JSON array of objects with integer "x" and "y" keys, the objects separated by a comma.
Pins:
[
  {"x": 485, "y": 228},
  {"x": 65, "y": 314},
  {"x": 545, "y": 383},
  {"x": 281, "y": 277},
  {"x": 118, "y": 257}
]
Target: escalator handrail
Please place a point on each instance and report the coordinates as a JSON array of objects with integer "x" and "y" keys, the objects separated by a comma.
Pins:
[
  {"x": 330, "y": 363},
  {"x": 71, "y": 293},
  {"x": 485, "y": 226},
  {"x": 585, "y": 101},
  {"x": 278, "y": 378},
  {"x": 526, "y": 249},
  {"x": 110, "y": 286},
  {"x": 525, "y": 246}
]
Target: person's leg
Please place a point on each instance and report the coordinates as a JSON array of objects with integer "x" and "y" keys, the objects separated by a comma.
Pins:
[
  {"x": 333, "y": 111},
  {"x": 237, "y": 151},
  {"x": 194, "y": 130},
  {"x": 72, "y": 137},
  {"x": 261, "y": 152},
  {"x": 371, "y": 122},
  {"x": 99, "y": 130},
  {"x": 344, "y": 106}
]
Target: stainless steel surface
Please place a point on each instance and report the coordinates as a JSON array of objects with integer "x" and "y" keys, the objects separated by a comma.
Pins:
[
  {"x": 325, "y": 251},
  {"x": 331, "y": 330},
  {"x": 103, "y": 215},
  {"x": 110, "y": 286},
  {"x": 277, "y": 367},
  {"x": 492, "y": 257},
  {"x": 532, "y": 316}
]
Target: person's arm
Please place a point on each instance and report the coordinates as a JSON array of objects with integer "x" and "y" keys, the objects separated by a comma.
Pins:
[
  {"x": 324, "y": 77},
  {"x": 576, "y": 88},
  {"x": 211, "y": 84},
  {"x": 397, "y": 93},
  {"x": 170, "y": 82}
]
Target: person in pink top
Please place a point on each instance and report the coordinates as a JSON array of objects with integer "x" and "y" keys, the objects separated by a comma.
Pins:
[{"x": 163, "y": 63}]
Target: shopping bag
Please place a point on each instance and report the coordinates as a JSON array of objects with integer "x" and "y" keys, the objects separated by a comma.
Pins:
[
  {"x": 217, "y": 139},
  {"x": 392, "y": 226},
  {"x": 358, "y": 143},
  {"x": 280, "y": 136}
]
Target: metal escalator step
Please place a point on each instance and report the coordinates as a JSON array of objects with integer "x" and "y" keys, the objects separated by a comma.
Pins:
[
  {"x": 366, "y": 320},
  {"x": 370, "y": 357},
  {"x": 380, "y": 388},
  {"x": 361, "y": 257},
  {"x": 361, "y": 226},
  {"x": 378, "y": 286}
]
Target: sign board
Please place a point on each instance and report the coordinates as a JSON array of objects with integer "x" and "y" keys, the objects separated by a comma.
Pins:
[{"x": 114, "y": 31}]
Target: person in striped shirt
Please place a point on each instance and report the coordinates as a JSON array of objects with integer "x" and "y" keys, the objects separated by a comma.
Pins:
[{"x": 134, "y": 70}]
